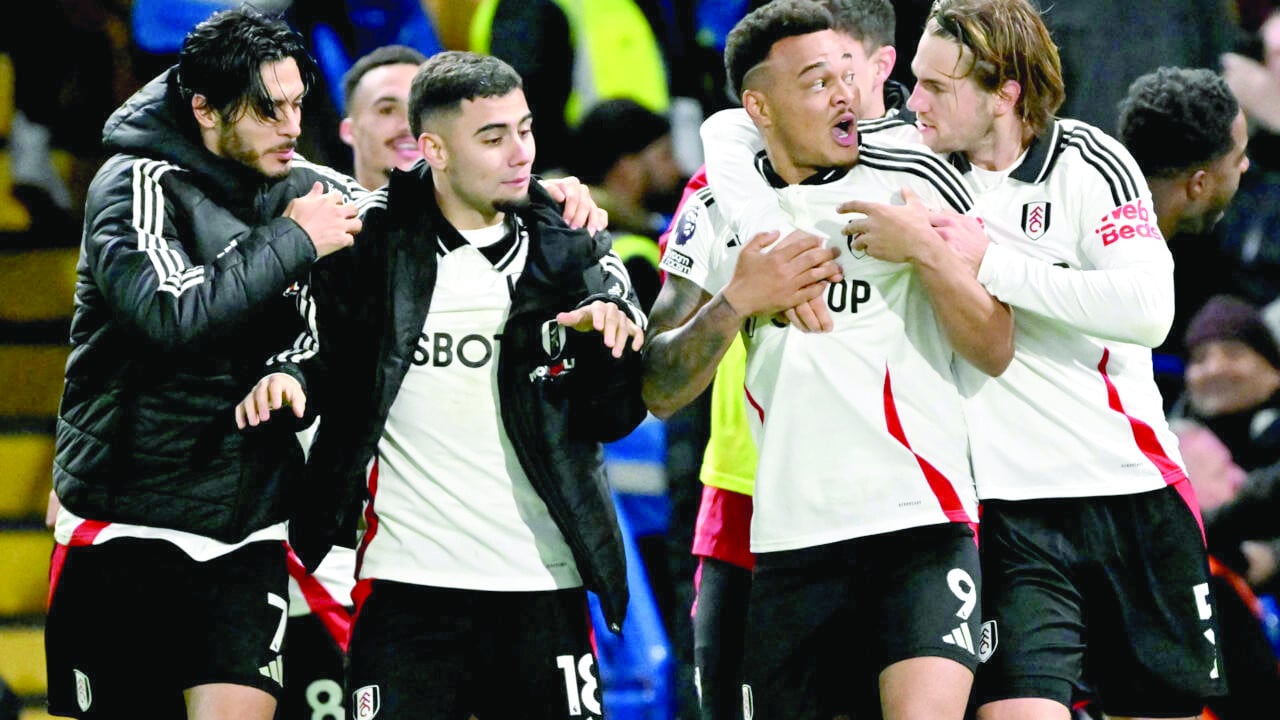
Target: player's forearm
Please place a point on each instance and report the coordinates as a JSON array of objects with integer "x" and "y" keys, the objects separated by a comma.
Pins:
[
  {"x": 979, "y": 327},
  {"x": 679, "y": 363},
  {"x": 1131, "y": 304}
]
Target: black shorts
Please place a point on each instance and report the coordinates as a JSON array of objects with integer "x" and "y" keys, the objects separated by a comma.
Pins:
[
  {"x": 314, "y": 673},
  {"x": 1100, "y": 597},
  {"x": 719, "y": 627},
  {"x": 426, "y": 652},
  {"x": 825, "y": 621},
  {"x": 134, "y": 623}
]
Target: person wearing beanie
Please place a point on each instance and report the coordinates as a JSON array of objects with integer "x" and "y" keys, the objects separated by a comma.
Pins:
[
  {"x": 1233, "y": 397},
  {"x": 623, "y": 151},
  {"x": 1233, "y": 379}
]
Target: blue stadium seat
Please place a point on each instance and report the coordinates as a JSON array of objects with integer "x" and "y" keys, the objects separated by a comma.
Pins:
[
  {"x": 637, "y": 472},
  {"x": 374, "y": 23},
  {"x": 160, "y": 25},
  {"x": 636, "y": 666}
]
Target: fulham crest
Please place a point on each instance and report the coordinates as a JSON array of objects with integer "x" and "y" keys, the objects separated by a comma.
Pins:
[
  {"x": 365, "y": 702},
  {"x": 1035, "y": 219},
  {"x": 84, "y": 692}
]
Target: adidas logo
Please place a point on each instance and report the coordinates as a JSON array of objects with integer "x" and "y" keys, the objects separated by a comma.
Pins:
[
  {"x": 960, "y": 637},
  {"x": 274, "y": 670}
]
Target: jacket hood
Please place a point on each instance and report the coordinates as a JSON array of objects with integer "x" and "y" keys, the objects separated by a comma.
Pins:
[{"x": 155, "y": 123}]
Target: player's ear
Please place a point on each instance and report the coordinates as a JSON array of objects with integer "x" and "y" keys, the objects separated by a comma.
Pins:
[
  {"x": 882, "y": 62},
  {"x": 1007, "y": 96},
  {"x": 433, "y": 149},
  {"x": 205, "y": 115},
  {"x": 1197, "y": 184},
  {"x": 344, "y": 131},
  {"x": 754, "y": 102}
]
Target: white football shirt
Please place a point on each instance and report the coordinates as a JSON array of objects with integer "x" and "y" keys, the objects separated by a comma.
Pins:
[
  {"x": 1079, "y": 256},
  {"x": 451, "y": 505},
  {"x": 860, "y": 431}
]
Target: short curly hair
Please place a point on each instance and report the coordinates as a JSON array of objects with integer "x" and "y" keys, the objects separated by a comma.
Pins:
[
  {"x": 749, "y": 42},
  {"x": 1175, "y": 119}
]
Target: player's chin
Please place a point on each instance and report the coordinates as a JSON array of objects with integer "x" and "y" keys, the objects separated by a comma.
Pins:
[
  {"x": 839, "y": 156},
  {"x": 512, "y": 201},
  {"x": 275, "y": 170}
]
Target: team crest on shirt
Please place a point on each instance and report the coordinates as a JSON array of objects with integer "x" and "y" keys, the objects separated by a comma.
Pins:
[
  {"x": 1035, "y": 219},
  {"x": 365, "y": 702},
  {"x": 553, "y": 338},
  {"x": 987, "y": 641},
  {"x": 84, "y": 692}
]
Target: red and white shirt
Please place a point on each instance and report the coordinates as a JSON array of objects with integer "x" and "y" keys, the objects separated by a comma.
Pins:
[
  {"x": 860, "y": 431},
  {"x": 1077, "y": 252}
]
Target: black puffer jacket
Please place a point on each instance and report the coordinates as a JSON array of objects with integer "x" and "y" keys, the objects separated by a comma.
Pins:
[
  {"x": 181, "y": 295},
  {"x": 561, "y": 396}
]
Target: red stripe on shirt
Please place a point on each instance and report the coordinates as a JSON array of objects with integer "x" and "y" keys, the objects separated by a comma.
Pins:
[
  {"x": 1143, "y": 435},
  {"x": 361, "y": 591},
  {"x": 84, "y": 534},
  {"x": 752, "y": 401},
  {"x": 370, "y": 517},
  {"x": 938, "y": 483},
  {"x": 1150, "y": 446},
  {"x": 331, "y": 613}
]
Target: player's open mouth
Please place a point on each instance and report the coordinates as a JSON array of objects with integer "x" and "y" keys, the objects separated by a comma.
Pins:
[
  {"x": 845, "y": 132},
  {"x": 406, "y": 148}
]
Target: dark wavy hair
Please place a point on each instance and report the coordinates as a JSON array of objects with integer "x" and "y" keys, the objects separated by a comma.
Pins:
[
  {"x": 222, "y": 57},
  {"x": 1175, "y": 119},
  {"x": 1009, "y": 41}
]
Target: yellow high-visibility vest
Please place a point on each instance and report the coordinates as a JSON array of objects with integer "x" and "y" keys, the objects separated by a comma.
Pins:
[{"x": 615, "y": 53}]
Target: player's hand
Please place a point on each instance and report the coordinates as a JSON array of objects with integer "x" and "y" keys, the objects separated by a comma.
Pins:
[
  {"x": 328, "y": 220},
  {"x": 964, "y": 235},
  {"x": 606, "y": 318},
  {"x": 771, "y": 278},
  {"x": 890, "y": 232},
  {"x": 580, "y": 209},
  {"x": 812, "y": 316},
  {"x": 271, "y": 393}
]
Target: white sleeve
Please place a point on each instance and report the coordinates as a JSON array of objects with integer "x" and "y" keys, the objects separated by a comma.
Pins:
[
  {"x": 730, "y": 143},
  {"x": 691, "y": 249},
  {"x": 1124, "y": 292}
]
